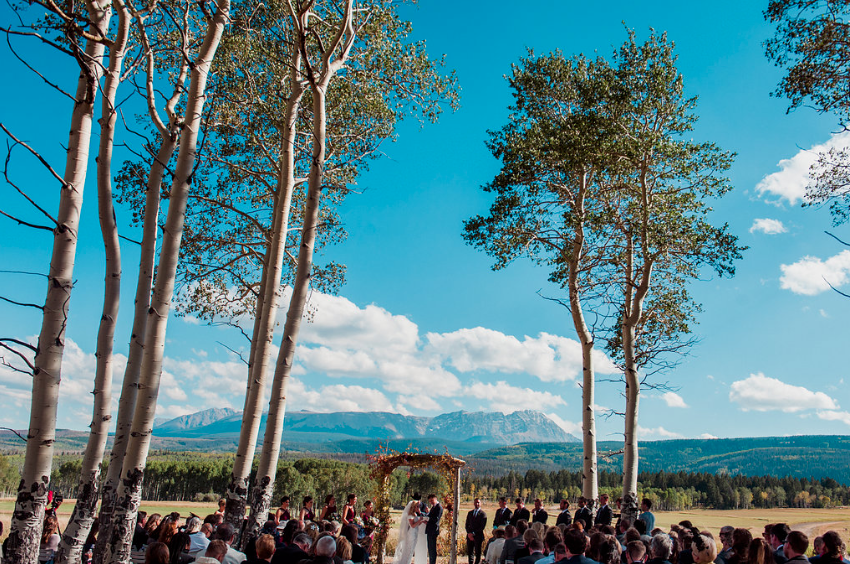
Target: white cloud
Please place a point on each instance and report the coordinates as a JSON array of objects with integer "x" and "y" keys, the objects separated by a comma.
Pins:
[
  {"x": 568, "y": 426},
  {"x": 507, "y": 399},
  {"x": 761, "y": 393},
  {"x": 657, "y": 433},
  {"x": 811, "y": 275},
  {"x": 707, "y": 436},
  {"x": 329, "y": 399},
  {"x": 548, "y": 357},
  {"x": 673, "y": 399},
  {"x": 842, "y": 416},
  {"x": 790, "y": 182},
  {"x": 768, "y": 226}
]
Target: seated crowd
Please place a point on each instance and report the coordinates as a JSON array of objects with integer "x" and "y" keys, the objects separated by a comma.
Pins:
[{"x": 584, "y": 539}]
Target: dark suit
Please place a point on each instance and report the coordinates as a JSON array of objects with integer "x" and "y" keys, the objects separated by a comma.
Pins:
[
  {"x": 476, "y": 520},
  {"x": 520, "y": 514},
  {"x": 432, "y": 531},
  {"x": 540, "y": 516},
  {"x": 564, "y": 517},
  {"x": 503, "y": 517},
  {"x": 584, "y": 514},
  {"x": 579, "y": 559},
  {"x": 604, "y": 516},
  {"x": 779, "y": 555},
  {"x": 290, "y": 554},
  {"x": 531, "y": 558}
]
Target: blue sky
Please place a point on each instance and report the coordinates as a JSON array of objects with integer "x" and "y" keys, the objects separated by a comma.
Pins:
[{"x": 423, "y": 325}]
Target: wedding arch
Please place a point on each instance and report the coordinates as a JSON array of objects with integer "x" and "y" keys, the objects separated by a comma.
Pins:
[{"x": 382, "y": 468}]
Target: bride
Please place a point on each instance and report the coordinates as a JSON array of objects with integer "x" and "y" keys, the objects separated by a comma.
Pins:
[{"x": 411, "y": 536}]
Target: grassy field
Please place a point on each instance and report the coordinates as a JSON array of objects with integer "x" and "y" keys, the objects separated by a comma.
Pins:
[{"x": 811, "y": 521}]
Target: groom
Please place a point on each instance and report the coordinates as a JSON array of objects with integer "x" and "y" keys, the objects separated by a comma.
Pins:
[{"x": 432, "y": 527}]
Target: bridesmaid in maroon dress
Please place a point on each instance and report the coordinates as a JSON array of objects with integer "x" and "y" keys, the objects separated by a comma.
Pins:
[
  {"x": 348, "y": 511},
  {"x": 307, "y": 513}
]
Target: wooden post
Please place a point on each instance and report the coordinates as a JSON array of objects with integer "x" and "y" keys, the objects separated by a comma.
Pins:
[{"x": 455, "y": 510}]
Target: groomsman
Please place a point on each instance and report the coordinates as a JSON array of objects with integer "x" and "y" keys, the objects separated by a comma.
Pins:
[
  {"x": 503, "y": 514},
  {"x": 520, "y": 513},
  {"x": 539, "y": 514},
  {"x": 564, "y": 516},
  {"x": 432, "y": 527},
  {"x": 476, "y": 520}
]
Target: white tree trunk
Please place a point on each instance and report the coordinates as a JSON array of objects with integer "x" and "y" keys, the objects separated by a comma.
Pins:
[
  {"x": 75, "y": 533},
  {"x": 129, "y": 490},
  {"x": 266, "y": 312},
  {"x": 26, "y": 523}
]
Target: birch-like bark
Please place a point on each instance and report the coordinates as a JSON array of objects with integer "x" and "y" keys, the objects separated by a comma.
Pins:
[
  {"x": 266, "y": 310},
  {"x": 75, "y": 533},
  {"x": 169, "y": 134},
  {"x": 23, "y": 543},
  {"x": 589, "y": 479},
  {"x": 267, "y": 469},
  {"x": 130, "y": 484}
]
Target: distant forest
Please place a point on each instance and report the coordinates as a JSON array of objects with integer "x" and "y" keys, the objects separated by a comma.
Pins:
[{"x": 203, "y": 477}]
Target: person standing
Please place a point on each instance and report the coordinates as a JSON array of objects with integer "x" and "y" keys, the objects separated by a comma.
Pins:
[
  {"x": 520, "y": 513},
  {"x": 476, "y": 520},
  {"x": 503, "y": 514},
  {"x": 605, "y": 515},
  {"x": 539, "y": 514},
  {"x": 432, "y": 528},
  {"x": 646, "y": 515},
  {"x": 564, "y": 516}
]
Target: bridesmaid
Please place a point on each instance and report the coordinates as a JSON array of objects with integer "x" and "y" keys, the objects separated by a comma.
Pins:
[
  {"x": 307, "y": 513},
  {"x": 329, "y": 509},
  {"x": 282, "y": 513},
  {"x": 348, "y": 511}
]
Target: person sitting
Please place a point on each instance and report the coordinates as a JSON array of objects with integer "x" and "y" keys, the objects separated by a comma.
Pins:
[
  {"x": 157, "y": 553},
  {"x": 179, "y": 548},
  {"x": 294, "y": 552},
  {"x": 325, "y": 551},
  {"x": 832, "y": 549},
  {"x": 263, "y": 549},
  {"x": 817, "y": 546},
  {"x": 575, "y": 543},
  {"x": 495, "y": 546},
  {"x": 726, "y": 540},
  {"x": 225, "y": 533},
  {"x": 760, "y": 552},
  {"x": 660, "y": 549},
  {"x": 214, "y": 554},
  {"x": 551, "y": 539},
  {"x": 222, "y": 504},
  {"x": 741, "y": 539},
  {"x": 796, "y": 545},
  {"x": 358, "y": 554},
  {"x": 524, "y": 550},
  {"x": 535, "y": 552},
  {"x": 513, "y": 541},
  {"x": 635, "y": 552},
  {"x": 198, "y": 541},
  {"x": 343, "y": 550},
  {"x": 778, "y": 532},
  {"x": 704, "y": 549}
]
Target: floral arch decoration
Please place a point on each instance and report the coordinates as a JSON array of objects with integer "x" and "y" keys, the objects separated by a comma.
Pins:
[{"x": 445, "y": 464}]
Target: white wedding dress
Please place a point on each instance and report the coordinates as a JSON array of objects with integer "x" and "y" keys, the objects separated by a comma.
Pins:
[{"x": 412, "y": 542}]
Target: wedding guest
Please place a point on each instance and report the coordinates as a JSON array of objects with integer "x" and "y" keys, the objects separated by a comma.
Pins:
[
  {"x": 575, "y": 543},
  {"x": 358, "y": 553},
  {"x": 535, "y": 552},
  {"x": 282, "y": 513},
  {"x": 635, "y": 552},
  {"x": 348, "y": 510},
  {"x": 343, "y": 550},
  {"x": 264, "y": 549},
  {"x": 225, "y": 533},
  {"x": 726, "y": 540},
  {"x": 513, "y": 540},
  {"x": 524, "y": 550},
  {"x": 140, "y": 537},
  {"x": 329, "y": 511},
  {"x": 214, "y": 554},
  {"x": 198, "y": 541},
  {"x": 760, "y": 552},
  {"x": 294, "y": 552},
  {"x": 741, "y": 539},
  {"x": 151, "y": 525},
  {"x": 495, "y": 546},
  {"x": 179, "y": 549},
  {"x": 796, "y": 545},
  {"x": 646, "y": 514},
  {"x": 609, "y": 550},
  {"x": 157, "y": 553},
  {"x": 49, "y": 539},
  {"x": 704, "y": 549},
  {"x": 222, "y": 504},
  {"x": 660, "y": 549},
  {"x": 832, "y": 549}
]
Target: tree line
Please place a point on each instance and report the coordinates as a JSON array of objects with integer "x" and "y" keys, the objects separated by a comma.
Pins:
[{"x": 194, "y": 477}]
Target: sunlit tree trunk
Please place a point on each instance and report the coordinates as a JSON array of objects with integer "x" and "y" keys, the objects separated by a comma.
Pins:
[
  {"x": 319, "y": 81},
  {"x": 26, "y": 523},
  {"x": 169, "y": 134},
  {"x": 75, "y": 533},
  {"x": 130, "y": 484},
  {"x": 266, "y": 310}
]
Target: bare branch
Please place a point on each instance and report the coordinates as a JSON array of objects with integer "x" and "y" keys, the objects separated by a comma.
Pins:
[
  {"x": 845, "y": 243},
  {"x": 13, "y": 431},
  {"x": 130, "y": 240},
  {"x": 15, "y": 53},
  {"x": 23, "y": 272},
  {"x": 26, "y": 223},
  {"x": 24, "y": 304},
  {"x": 237, "y": 353}
]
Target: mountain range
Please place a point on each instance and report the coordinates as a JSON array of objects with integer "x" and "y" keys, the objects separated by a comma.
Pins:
[{"x": 476, "y": 428}]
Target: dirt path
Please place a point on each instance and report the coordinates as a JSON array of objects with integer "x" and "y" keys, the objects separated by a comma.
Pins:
[{"x": 815, "y": 529}]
